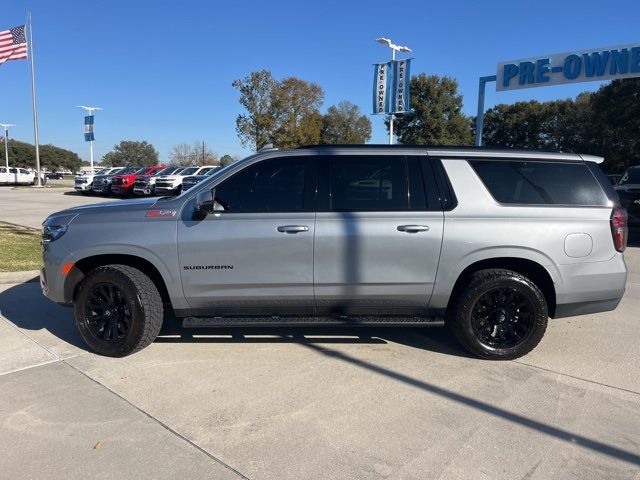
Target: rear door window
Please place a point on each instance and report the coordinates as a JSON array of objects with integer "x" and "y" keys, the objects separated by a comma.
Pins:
[
  {"x": 540, "y": 183},
  {"x": 368, "y": 183}
]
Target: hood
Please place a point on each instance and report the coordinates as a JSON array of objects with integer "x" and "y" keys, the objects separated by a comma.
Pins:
[{"x": 134, "y": 204}]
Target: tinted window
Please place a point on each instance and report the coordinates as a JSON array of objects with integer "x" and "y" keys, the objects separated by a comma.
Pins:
[
  {"x": 631, "y": 176},
  {"x": 368, "y": 183},
  {"x": 189, "y": 171},
  {"x": 276, "y": 185},
  {"x": 540, "y": 183}
]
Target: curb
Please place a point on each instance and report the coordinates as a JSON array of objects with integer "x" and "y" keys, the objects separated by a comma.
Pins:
[{"x": 20, "y": 277}]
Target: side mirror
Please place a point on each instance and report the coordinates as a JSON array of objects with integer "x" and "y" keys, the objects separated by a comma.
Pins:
[{"x": 204, "y": 203}]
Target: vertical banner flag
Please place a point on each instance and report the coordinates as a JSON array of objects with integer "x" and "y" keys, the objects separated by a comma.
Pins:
[
  {"x": 400, "y": 86},
  {"x": 391, "y": 87},
  {"x": 88, "y": 129},
  {"x": 380, "y": 87}
]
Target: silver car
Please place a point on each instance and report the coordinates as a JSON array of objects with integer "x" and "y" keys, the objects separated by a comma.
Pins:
[{"x": 489, "y": 242}]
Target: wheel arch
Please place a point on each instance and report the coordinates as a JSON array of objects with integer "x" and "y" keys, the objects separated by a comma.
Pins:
[
  {"x": 531, "y": 269},
  {"x": 83, "y": 266}
]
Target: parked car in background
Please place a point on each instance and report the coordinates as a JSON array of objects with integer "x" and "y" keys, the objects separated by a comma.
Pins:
[
  {"x": 614, "y": 178},
  {"x": 628, "y": 188},
  {"x": 54, "y": 175},
  {"x": 192, "y": 180},
  {"x": 84, "y": 182},
  {"x": 123, "y": 184},
  {"x": 146, "y": 184},
  {"x": 490, "y": 243},
  {"x": 167, "y": 185},
  {"x": 19, "y": 176},
  {"x": 102, "y": 183}
]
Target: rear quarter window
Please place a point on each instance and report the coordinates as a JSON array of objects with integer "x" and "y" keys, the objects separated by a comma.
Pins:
[{"x": 540, "y": 183}]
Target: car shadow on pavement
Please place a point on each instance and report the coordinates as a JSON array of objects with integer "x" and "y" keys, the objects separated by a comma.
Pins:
[
  {"x": 437, "y": 340},
  {"x": 26, "y": 307}
]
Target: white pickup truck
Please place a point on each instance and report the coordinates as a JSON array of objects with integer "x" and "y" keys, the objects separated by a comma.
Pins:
[
  {"x": 84, "y": 183},
  {"x": 19, "y": 176}
]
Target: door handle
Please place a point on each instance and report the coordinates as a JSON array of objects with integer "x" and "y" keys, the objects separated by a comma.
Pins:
[
  {"x": 413, "y": 228},
  {"x": 293, "y": 228}
]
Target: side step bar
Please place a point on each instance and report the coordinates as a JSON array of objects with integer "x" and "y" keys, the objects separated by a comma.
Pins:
[{"x": 277, "y": 321}]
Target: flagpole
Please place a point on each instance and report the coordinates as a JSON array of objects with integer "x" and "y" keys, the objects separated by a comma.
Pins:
[{"x": 33, "y": 102}]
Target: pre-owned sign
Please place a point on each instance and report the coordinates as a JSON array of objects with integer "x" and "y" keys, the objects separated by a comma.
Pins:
[{"x": 570, "y": 67}]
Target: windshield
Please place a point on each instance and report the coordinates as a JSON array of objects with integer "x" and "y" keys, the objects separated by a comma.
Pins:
[
  {"x": 165, "y": 171},
  {"x": 102, "y": 171},
  {"x": 631, "y": 176},
  {"x": 212, "y": 171},
  {"x": 142, "y": 170},
  {"x": 189, "y": 171},
  {"x": 124, "y": 171}
]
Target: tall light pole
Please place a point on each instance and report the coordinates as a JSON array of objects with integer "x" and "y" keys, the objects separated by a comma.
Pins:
[
  {"x": 90, "y": 111},
  {"x": 394, "y": 48},
  {"x": 6, "y": 143}
]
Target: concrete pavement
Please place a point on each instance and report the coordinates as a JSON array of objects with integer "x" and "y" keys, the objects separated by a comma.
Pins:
[
  {"x": 317, "y": 403},
  {"x": 29, "y": 206}
]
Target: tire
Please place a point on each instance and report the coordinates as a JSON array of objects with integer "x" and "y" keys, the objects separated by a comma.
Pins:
[
  {"x": 136, "y": 312},
  {"x": 516, "y": 315}
]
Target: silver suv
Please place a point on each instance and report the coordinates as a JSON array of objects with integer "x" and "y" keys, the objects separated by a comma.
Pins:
[{"x": 489, "y": 242}]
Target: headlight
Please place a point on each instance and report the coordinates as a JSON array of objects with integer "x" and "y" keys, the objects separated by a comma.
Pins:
[{"x": 53, "y": 232}]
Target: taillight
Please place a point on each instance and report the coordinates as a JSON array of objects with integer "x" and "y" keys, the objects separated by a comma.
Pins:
[{"x": 619, "y": 229}]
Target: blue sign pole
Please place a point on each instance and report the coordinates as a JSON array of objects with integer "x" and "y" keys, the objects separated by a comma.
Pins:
[{"x": 480, "y": 118}]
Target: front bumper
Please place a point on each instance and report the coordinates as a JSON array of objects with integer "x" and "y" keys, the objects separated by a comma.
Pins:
[
  {"x": 143, "y": 190},
  {"x": 83, "y": 187},
  {"x": 121, "y": 189},
  {"x": 166, "y": 191},
  {"x": 102, "y": 188}
]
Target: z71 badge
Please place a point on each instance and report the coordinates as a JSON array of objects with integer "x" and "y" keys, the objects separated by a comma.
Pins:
[{"x": 161, "y": 213}]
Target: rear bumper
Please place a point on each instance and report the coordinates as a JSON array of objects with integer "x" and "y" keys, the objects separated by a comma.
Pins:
[{"x": 590, "y": 287}]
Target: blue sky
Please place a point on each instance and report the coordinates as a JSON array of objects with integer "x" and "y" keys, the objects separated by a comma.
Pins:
[{"x": 162, "y": 70}]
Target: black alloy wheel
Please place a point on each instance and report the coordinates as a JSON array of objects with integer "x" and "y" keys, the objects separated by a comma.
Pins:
[
  {"x": 499, "y": 314},
  {"x": 502, "y": 318},
  {"x": 107, "y": 313}
]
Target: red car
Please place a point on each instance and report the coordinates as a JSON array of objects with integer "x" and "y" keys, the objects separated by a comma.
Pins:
[{"x": 122, "y": 185}]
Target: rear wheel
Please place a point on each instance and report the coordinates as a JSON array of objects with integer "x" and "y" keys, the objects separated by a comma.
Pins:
[
  {"x": 500, "y": 315},
  {"x": 118, "y": 310}
]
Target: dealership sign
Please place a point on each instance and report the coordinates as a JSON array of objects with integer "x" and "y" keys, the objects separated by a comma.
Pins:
[
  {"x": 391, "y": 86},
  {"x": 570, "y": 67}
]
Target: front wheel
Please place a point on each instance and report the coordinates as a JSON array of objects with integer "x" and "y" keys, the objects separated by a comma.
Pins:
[
  {"x": 118, "y": 310},
  {"x": 499, "y": 315}
]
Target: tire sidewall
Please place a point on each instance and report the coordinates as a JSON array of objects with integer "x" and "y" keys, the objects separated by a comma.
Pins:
[
  {"x": 119, "y": 279},
  {"x": 538, "y": 305}
]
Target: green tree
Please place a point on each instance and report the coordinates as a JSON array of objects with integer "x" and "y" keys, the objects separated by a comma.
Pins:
[
  {"x": 345, "y": 124},
  {"x": 22, "y": 154},
  {"x": 436, "y": 116},
  {"x": 296, "y": 106},
  {"x": 131, "y": 153},
  {"x": 255, "y": 128},
  {"x": 613, "y": 130},
  {"x": 285, "y": 113}
]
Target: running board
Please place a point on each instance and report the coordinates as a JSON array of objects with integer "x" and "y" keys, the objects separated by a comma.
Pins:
[{"x": 290, "y": 321}]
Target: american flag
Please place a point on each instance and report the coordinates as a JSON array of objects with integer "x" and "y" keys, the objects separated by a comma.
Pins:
[{"x": 13, "y": 44}]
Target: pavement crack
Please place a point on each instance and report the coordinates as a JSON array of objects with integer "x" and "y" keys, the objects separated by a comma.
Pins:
[{"x": 162, "y": 424}]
